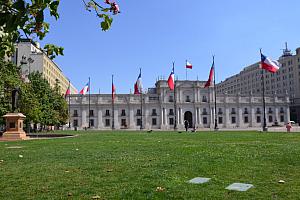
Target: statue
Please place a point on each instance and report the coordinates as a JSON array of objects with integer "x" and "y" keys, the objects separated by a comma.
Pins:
[{"x": 15, "y": 98}]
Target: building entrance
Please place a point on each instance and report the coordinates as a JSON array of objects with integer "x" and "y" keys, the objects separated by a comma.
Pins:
[{"x": 189, "y": 117}]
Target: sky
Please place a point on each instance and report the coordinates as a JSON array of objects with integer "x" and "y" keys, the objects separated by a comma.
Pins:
[{"x": 152, "y": 34}]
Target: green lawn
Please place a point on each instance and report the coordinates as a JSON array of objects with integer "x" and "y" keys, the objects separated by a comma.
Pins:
[{"x": 131, "y": 165}]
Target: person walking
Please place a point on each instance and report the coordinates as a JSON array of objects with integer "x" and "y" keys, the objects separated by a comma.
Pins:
[{"x": 186, "y": 125}]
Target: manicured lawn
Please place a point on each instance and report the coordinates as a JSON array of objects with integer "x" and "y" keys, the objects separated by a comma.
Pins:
[{"x": 131, "y": 165}]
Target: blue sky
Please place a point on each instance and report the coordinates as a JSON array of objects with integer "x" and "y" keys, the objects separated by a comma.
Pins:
[{"x": 153, "y": 34}]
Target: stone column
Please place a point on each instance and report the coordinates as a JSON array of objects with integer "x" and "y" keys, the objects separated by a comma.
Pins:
[
  {"x": 165, "y": 116},
  {"x": 287, "y": 114},
  {"x": 277, "y": 115},
  {"x": 146, "y": 119},
  {"x": 178, "y": 116},
  {"x": 131, "y": 119},
  {"x": 227, "y": 118},
  {"x": 252, "y": 116},
  {"x": 199, "y": 118},
  {"x": 100, "y": 122},
  {"x": 83, "y": 119},
  {"x": 162, "y": 117},
  {"x": 196, "y": 116},
  {"x": 116, "y": 119},
  {"x": 240, "y": 116}
]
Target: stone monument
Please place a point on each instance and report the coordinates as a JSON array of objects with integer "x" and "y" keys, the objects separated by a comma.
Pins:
[{"x": 14, "y": 121}]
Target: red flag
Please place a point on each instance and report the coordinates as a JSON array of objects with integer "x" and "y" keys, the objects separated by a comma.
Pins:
[
  {"x": 171, "y": 80},
  {"x": 113, "y": 91},
  {"x": 67, "y": 92},
  {"x": 211, "y": 76}
]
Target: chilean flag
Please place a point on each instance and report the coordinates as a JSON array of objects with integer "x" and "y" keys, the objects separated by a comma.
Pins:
[
  {"x": 171, "y": 80},
  {"x": 113, "y": 91},
  {"x": 138, "y": 84},
  {"x": 188, "y": 65},
  {"x": 211, "y": 76},
  {"x": 268, "y": 64},
  {"x": 85, "y": 89}
]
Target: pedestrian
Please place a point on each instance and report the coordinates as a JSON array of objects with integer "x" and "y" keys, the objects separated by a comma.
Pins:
[{"x": 186, "y": 125}]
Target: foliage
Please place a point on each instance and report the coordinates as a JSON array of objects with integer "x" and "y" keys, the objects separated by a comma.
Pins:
[
  {"x": 132, "y": 165},
  {"x": 52, "y": 106},
  {"x": 38, "y": 101},
  {"x": 9, "y": 79},
  {"x": 27, "y": 17}
]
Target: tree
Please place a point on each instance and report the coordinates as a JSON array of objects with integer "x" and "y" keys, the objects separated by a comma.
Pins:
[
  {"x": 26, "y": 17},
  {"x": 9, "y": 79}
]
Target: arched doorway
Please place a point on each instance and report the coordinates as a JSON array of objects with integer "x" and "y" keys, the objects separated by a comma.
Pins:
[{"x": 189, "y": 117}]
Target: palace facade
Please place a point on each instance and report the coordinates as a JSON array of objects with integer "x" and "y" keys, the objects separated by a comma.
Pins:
[{"x": 156, "y": 109}]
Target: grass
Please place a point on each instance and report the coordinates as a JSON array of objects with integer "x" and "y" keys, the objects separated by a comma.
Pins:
[{"x": 131, "y": 165}]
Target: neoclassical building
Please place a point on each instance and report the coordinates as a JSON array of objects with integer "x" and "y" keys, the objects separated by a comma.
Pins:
[{"x": 194, "y": 103}]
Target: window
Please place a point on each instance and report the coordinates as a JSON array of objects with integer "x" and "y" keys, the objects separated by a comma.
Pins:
[
  {"x": 171, "y": 112},
  {"x": 281, "y": 110},
  {"x": 220, "y": 120},
  {"x": 138, "y": 112},
  {"x": 154, "y": 112},
  {"x": 92, "y": 123},
  {"x": 123, "y": 113},
  {"x": 187, "y": 99},
  {"x": 107, "y": 113},
  {"x": 281, "y": 118},
  {"x": 138, "y": 122},
  {"x": 258, "y": 111},
  {"x": 270, "y": 118},
  {"x": 91, "y": 113},
  {"x": 75, "y": 113},
  {"x": 171, "y": 121},
  {"x": 270, "y": 110},
  {"x": 233, "y": 111},
  {"x": 233, "y": 121},
  {"x": 107, "y": 122},
  {"x": 258, "y": 120},
  {"x": 75, "y": 123},
  {"x": 245, "y": 110},
  {"x": 123, "y": 123},
  {"x": 204, "y": 120},
  {"x": 204, "y": 112},
  {"x": 246, "y": 119},
  {"x": 220, "y": 111},
  {"x": 171, "y": 99},
  {"x": 204, "y": 99},
  {"x": 154, "y": 122}
]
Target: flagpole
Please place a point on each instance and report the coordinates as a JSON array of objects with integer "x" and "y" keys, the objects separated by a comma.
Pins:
[
  {"x": 113, "y": 103},
  {"x": 89, "y": 102},
  {"x": 215, "y": 93},
  {"x": 265, "y": 128},
  {"x": 175, "y": 108},
  {"x": 69, "y": 104},
  {"x": 141, "y": 127}
]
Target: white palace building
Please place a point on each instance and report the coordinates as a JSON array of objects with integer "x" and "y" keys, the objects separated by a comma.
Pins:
[{"x": 194, "y": 103}]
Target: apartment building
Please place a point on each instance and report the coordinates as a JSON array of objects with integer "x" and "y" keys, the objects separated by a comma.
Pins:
[
  {"x": 285, "y": 82},
  {"x": 31, "y": 58}
]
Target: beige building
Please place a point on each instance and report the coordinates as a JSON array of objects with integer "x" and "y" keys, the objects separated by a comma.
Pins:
[
  {"x": 36, "y": 60},
  {"x": 286, "y": 81}
]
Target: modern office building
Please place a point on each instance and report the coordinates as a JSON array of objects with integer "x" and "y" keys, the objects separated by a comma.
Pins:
[
  {"x": 156, "y": 109},
  {"x": 35, "y": 59},
  {"x": 285, "y": 82}
]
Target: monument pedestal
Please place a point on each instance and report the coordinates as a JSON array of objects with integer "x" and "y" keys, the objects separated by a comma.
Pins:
[{"x": 14, "y": 127}]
